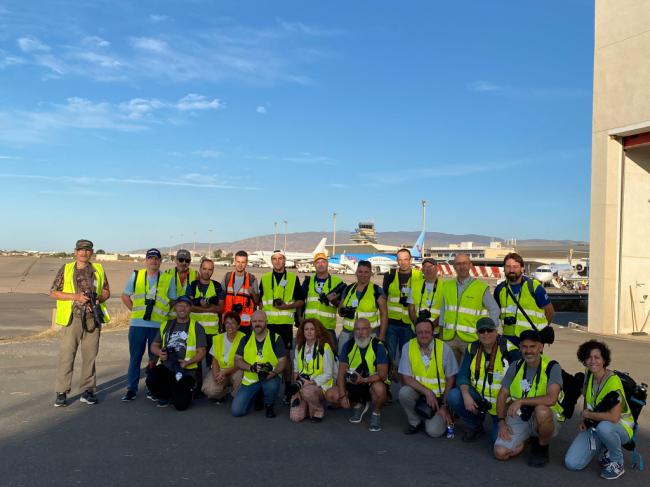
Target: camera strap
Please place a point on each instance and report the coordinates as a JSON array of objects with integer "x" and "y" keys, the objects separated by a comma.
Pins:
[
  {"x": 536, "y": 378},
  {"x": 516, "y": 301},
  {"x": 433, "y": 293},
  {"x": 284, "y": 288}
]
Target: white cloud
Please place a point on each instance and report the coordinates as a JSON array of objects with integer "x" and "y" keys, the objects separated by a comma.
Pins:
[
  {"x": 527, "y": 94},
  {"x": 139, "y": 107},
  {"x": 32, "y": 44},
  {"x": 8, "y": 157},
  {"x": 483, "y": 86},
  {"x": 149, "y": 44},
  {"x": 193, "y": 101},
  {"x": 158, "y": 18},
  {"x": 100, "y": 59},
  {"x": 95, "y": 41},
  {"x": 261, "y": 109},
  {"x": 207, "y": 153}
]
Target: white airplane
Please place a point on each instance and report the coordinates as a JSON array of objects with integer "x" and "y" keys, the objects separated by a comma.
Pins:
[
  {"x": 263, "y": 257},
  {"x": 545, "y": 273}
]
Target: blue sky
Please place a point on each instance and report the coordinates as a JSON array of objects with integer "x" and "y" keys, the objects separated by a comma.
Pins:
[{"x": 131, "y": 123}]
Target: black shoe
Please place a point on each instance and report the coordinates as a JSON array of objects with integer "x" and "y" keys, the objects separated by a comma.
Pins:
[
  {"x": 411, "y": 430},
  {"x": 316, "y": 420},
  {"x": 61, "y": 400},
  {"x": 88, "y": 397},
  {"x": 270, "y": 413},
  {"x": 259, "y": 401},
  {"x": 470, "y": 436},
  {"x": 538, "y": 454},
  {"x": 129, "y": 396}
]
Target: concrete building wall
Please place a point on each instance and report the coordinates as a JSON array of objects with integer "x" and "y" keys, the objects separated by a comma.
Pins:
[{"x": 620, "y": 186}]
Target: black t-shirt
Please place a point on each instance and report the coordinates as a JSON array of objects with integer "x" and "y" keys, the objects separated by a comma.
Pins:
[
  {"x": 176, "y": 341},
  {"x": 321, "y": 284},
  {"x": 278, "y": 346},
  {"x": 379, "y": 292},
  {"x": 192, "y": 293},
  {"x": 402, "y": 276}
]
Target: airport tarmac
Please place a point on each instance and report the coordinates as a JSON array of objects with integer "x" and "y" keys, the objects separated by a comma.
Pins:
[{"x": 115, "y": 443}]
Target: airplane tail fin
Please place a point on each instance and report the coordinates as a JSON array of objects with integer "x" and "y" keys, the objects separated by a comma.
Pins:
[
  {"x": 417, "y": 251},
  {"x": 320, "y": 248}
]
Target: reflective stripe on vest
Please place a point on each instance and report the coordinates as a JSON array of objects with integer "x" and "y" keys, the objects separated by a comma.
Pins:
[
  {"x": 251, "y": 357},
  {"x": 612, "y": 383},
  {"x": 325, "y": 313},
  {"x": 181, "y": 289},
  {"x": 273, "y": 290},
  {"x": 460, "y": 317},
  {"x": 528, "y": 303},
  {"x": 395, "y": 310},
  {"x": 190, "y": 343},
  {"x": 243, "y": 297},
  {"x": 366, "y": 308},
  {"x": 208, "y": 320},
  {"x": 487, "y": 390},
  {"x": 218, "y": 345},
  {"x": 433, "y": 377},
  {"x": 314, "y": 367},
  {"x": 161, "y": 304},
  {"x": 64, "y": 306},
  {"x": 538, "y": 387},
  {"x": 425, "y": 299}
]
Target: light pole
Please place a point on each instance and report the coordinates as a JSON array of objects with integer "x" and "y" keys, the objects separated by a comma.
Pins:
[
  {"x": 210, "y": 245},
  {"x": 171, "y": 241},
  {"x": 334, "y": 244},
  {"x": 285, "y": 235},
  {"x": 181, "y": 242},
  {"x": 275, "y": 235},
  {"x": 424, "y": 222}
]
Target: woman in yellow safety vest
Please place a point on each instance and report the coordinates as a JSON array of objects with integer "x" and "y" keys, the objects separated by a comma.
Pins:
[{"x": 608, "y": 423}]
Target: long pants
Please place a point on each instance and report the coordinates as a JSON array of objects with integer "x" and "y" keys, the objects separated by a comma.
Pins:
[
  {"x": 396, "y": 337},
  {"x": 243, "y": 402},
  {"x": 140, "y": 338},
  {"x": 606, "y": 435},
  {"x": 311, "y": 403},
  {"x": 434, "y": 427},
  {"x": 213, "y": 390},
  {"x": 163, "y": 384},
  {"x": 473, "y": 421},
  {"x": 72, "y": 336}
]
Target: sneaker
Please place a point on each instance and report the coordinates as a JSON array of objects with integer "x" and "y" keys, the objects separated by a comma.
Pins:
[
  {"x": 162, "y": 403},
  {"x": 270, "y": 413},
  {"x": 129, "y": 396},
  {"x": 150, "y": 396},
  {"x": 411, "y": 430},
  {"x": 612, "y": 471},
  {"x": 538, "y": 454},
  {"x": 604, "y": 459},
  {"x": 88, "y": 397},
  {"x": 358, "y": 411},
  {"x": 61, "y": 400},
  {"x": 471, "y": 435},
  {"x": 375, "y": 422}
]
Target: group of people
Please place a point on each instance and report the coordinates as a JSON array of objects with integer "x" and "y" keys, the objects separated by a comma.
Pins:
[{"x": 451, "y": 348}]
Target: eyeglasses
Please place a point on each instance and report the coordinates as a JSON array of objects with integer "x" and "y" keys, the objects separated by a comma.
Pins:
[
  {"x": 185, "y": 261},
  {"x": 485, "y": 330}
]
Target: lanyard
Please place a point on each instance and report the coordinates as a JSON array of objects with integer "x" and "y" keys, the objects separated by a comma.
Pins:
[
  {"x": 595, "y": 393},
  {"x": 433, "y": 292},
  {"x": 315, "y": 357},
  {"x": 328, "y": 282},
  {"x": 284, "y": 288},
  {"x": 536, "y": 379},
  {"x": 146, "y": 284},
  {"x": 489, "y": 372},
  {"x": 514, "y": 298}
]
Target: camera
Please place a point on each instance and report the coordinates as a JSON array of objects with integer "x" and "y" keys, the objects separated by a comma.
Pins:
[
  {"x": 403, "y": 300},
  {"x": 172, "y": 358},
  {"x": 295, "y": 386},
  {"x": 510, "y": 320},
  {"x": 483, "y": 405},
  {"x": 322, "y": 298},
  {"x": 610, "y": 400},
  {"x": 149, "y": 303},
  {"x": 237, "y": 308},
  {"x": 424, "y": 314},
  {"x": 263, "y": 370},
  {"x": 278, "y": 302},
  {"x": 98, "y": 314},
  {"x": 351, "y": 376},
  {"x": 348, "y": 312},
  {"x": 526, "y": 412}
]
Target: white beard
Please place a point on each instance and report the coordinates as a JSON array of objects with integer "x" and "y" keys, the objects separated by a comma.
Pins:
[{"x": 362, "y": 343}]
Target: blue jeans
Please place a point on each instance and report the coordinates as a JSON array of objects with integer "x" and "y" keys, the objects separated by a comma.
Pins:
[
  {"x": 243, "y": 401},
  {"x": 396, "y": 337},
  {"x": 140, "y": 338},
  {"x": 606, "y": 435},
  {"x": 456, "y": 403}
]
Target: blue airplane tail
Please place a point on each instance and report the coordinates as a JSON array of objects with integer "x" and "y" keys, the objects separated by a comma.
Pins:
[{"x": 417, "y": 251}]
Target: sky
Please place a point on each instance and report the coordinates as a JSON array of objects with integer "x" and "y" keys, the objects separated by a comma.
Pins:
[{"x": 133, "y": 123}]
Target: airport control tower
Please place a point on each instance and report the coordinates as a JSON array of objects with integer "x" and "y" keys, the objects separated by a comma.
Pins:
[{"x": 364, "y": 233}]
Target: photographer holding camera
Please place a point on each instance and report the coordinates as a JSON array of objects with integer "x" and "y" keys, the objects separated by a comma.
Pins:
[
  {"x": 523, "y": 302},
  {"x": 528, "y": 404},
  {"x": 479, "y": 380},
  {"x": 422, "y": 297},
  {"x": 607, "y": 420},
  {"x": 428, "y": 369},
  {"x": 180, "y": 345},
  {"x": 242, "y": 292},
  {"x": 362, "y": 299},
  {"x": 363, "y": 375},
  {"x": 148, "y": 295},
  {"x": 262, "y": 357},
  {"x": 314, "y": 372},
  {"x": 322, "y": 293},
  {"x": 182, "y": 274},
  {"x": 80, "y": 289}
]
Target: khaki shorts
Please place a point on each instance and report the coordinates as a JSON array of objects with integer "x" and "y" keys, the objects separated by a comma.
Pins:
[{"x": 522, "y": 430}]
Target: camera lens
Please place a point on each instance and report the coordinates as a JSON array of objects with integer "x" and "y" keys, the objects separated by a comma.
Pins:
[
  {"x": 278, "y": 302},
  {"x": 237, "y": 308}
]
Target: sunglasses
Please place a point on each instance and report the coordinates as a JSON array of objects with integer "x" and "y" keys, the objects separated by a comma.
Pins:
[
  {"x": 485, "y": 330},
  {"x": 186, "y": 261}
]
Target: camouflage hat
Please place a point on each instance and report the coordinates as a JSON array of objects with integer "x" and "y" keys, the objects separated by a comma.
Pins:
[{"x": 83, "y": 244}]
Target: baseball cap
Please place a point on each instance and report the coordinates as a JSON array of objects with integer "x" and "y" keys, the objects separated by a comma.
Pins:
[
  {"x": 531, "y": 335},
  {"x": 429, "y": 260},
  {"x": 278, "y": 252},
  {"x": 320, "y": 255},
  {"x": 83, "y": 244},
  {"x": 485, "y": 323},
  {"x": 183, "y": 254},
  {"x": 153, "y": 253},
  {"x": 184, "y": 299}
]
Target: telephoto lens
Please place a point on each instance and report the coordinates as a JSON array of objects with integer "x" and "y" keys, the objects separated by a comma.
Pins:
[{"x": 424, "y": 314}]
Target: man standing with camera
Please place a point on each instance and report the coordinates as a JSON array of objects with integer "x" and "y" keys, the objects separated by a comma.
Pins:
[
  {"x": 523, "y": 302},
  {"x": 148, "y": 294},
  {"x": 206, "y": 296},
  {"x": 322, "y": 293},
  {"x": 398, "y": 285},
  {"x": 80, "y": 289},
  {"x": 422, "y": 297},
  {"x": 363, "y": 375},
  {"x": 262, "y": 357},
  {"x": 534, "y": 385},
  {"x": 242, "y": 292},
  {"x": 479, "y": 380},
  {"x": 362, "y": 299},
  {"x": 428, "y": 369},
  {"x": 281, "y": 299},
  {"x": 180, "y": 345},
  {"x": 182, "y": 274},
  {"x": 462, "y": 301}
]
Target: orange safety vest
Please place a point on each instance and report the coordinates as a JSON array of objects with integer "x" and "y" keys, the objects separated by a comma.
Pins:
[{"x": 243, "y": 297}]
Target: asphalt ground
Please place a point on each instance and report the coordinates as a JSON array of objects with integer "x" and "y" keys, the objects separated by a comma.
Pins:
[{"x": 115, "y": 443}]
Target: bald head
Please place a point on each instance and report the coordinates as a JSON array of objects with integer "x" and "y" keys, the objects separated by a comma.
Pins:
[
  {"x": 258, "y": 321},
  {"x": 362, "y": 328}
]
